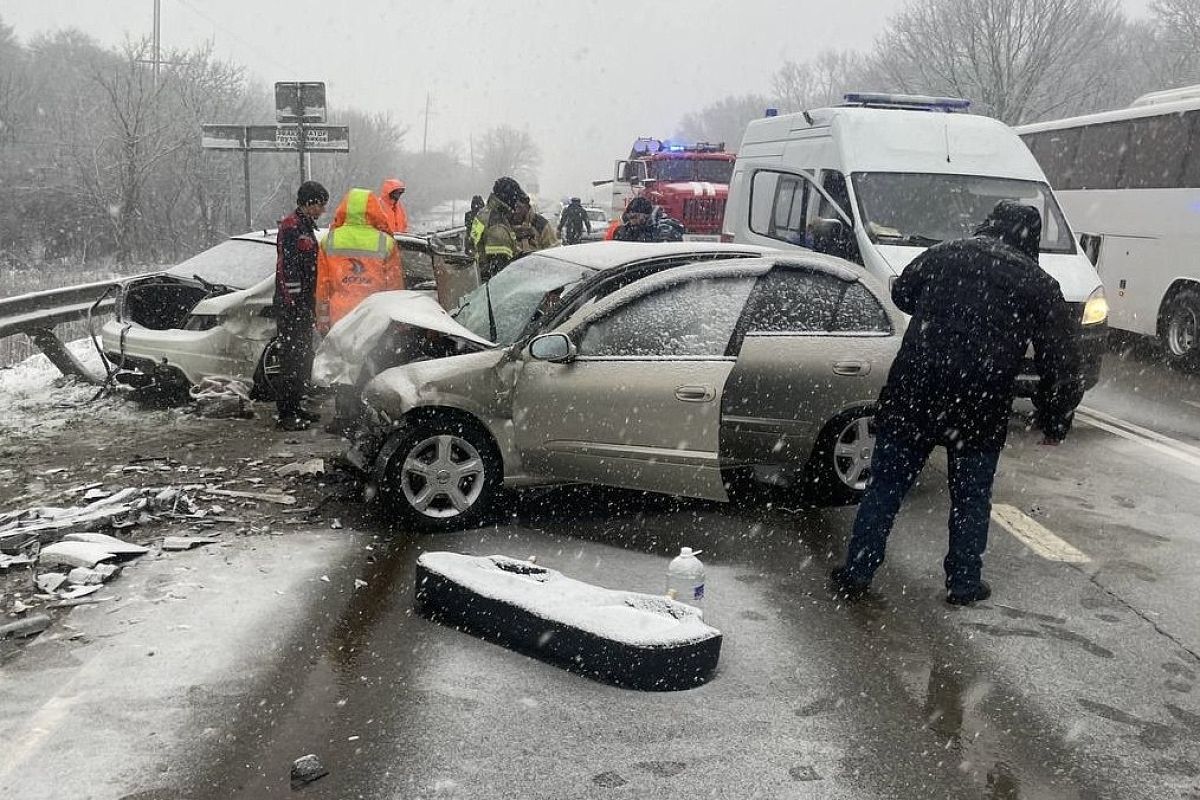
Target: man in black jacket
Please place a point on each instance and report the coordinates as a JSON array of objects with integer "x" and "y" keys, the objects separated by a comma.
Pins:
[
  {"x": 573, "y": 219},
  {"x": 295, "y": 304},
  {"x": 976, "y": 305},
  {"x": 643, "y": 222}
]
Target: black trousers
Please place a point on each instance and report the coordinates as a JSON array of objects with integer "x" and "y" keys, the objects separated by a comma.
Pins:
[{"x": 295, "y": 332}]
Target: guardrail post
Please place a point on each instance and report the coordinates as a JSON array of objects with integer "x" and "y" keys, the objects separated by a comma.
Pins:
[{"x": 59, "y": 354}]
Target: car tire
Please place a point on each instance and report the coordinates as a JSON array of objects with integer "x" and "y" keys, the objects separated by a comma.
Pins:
[
  {"x": 442, "y": 474},
  {"x": 1181, "y": 330},
  {"x": 266, "y": 372},
  {"x": 837, "y": 472}
]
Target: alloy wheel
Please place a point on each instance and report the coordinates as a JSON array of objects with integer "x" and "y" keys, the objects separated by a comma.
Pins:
[
  {"x": 852, "y": 452},
  {"x": 442, "y": 476}
]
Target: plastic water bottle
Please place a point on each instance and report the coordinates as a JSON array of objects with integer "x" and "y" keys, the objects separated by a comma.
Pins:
[{"x": 685, "y": 578}]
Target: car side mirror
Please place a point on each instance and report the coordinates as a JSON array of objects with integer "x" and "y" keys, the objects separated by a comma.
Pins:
[
  {"x": 556, "y": 348},
  {"x": 832, "y": 237}
]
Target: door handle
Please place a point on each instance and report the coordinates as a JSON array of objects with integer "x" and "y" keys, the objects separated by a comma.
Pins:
[
  {"x": 695, "y": 394},
  {"x": 852, "y": 367}
]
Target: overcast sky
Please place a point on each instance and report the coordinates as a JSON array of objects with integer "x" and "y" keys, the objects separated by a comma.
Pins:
[{"x": 584, "y": 77}]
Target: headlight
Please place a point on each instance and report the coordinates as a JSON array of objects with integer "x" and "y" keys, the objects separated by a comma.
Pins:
[
  {"x": 1095, "y": 310},
  {"x": 203, "y": 322}
]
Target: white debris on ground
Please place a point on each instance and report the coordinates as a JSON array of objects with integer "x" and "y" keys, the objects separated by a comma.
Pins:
[
  {"x": 629, "y": 617},
  {"x": 222, "y": 397}
]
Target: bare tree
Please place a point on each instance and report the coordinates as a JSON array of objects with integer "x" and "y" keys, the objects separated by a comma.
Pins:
[
  {"x": 504, "y": 150},
  {"x": 1019, "y": 59},
  {"x": 1173, "y": 46},
  {"x": 724, "y": 120},
  {"x": 820, "y": 82}
]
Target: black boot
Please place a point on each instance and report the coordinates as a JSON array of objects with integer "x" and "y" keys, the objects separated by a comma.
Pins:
[
  {"x": 982, "y": 591},
  {"x": 846, "y": 588}
]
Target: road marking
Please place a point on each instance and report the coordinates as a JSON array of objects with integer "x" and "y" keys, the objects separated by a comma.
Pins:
[
  {"x": 1174, "y": 448},
  {"x": 1035, "y": 536}
]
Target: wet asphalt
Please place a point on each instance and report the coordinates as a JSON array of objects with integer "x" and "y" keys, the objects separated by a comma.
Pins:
[
  {"x": 1064, "y": 685},
  {"x": 1077, "y": 679}
]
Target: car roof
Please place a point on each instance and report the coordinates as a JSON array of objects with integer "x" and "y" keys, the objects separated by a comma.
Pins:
[{"x": 610, "y": 254}]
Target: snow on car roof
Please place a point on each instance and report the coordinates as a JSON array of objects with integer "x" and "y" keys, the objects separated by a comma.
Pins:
[{"x": 609, "y": 254}]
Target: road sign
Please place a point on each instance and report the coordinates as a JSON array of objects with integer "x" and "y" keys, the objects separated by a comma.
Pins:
[
  {"x": 317, "y": 138},
  {"x": 300, "y": 102}
]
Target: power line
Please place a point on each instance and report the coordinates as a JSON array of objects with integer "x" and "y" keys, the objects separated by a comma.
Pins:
[{"x": 287, "y": 69}]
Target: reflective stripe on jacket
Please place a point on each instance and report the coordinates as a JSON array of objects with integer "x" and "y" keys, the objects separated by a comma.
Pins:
[{"x": 357, "y": 258}]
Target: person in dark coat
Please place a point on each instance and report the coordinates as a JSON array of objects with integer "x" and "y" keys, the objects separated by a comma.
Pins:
[
  {"x": 295, "y": 303},
  {"x": 976, "y": 305},
  {"x": 573, "y": 220},
  {"x": 642, "y": 222}
]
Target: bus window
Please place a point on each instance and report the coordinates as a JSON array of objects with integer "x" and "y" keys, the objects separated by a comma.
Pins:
[
  {"x": 1098, "y": 159},
  {"x": 1055, "y": 152},
  {"x": 1157, "y": 146},
  {"x": 1189, "y": 173}
]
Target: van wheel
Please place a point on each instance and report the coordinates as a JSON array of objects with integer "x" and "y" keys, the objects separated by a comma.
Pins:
[
  {"x": 1181, "y": 330},
  {"x": 840, "y": 465},
  {"x": 444, "y": 475},
  {"x": 267, "y": 372}
]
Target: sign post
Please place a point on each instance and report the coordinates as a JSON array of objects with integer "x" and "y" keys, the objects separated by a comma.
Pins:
[{"x": 299, "y": 127}]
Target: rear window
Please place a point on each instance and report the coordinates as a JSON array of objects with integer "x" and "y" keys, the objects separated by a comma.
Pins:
[{"x": 237, "y": 263}]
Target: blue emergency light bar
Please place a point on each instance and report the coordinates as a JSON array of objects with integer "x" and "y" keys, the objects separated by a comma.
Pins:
[{"x": 908, "y": 102}]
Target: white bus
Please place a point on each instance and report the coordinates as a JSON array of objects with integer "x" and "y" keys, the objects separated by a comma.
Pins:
[{"x": 1129, "y": 182}]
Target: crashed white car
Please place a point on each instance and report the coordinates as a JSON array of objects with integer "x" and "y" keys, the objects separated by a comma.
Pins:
[{"x": 212, "y": 315}]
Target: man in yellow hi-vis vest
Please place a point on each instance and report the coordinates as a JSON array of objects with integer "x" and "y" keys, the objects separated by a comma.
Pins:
[{"x": 492, "y": 231}]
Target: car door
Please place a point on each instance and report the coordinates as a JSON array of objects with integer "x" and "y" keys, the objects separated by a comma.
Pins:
[
  {"x": 811, "y": 346},
  {"x": 640, "y": 405}
]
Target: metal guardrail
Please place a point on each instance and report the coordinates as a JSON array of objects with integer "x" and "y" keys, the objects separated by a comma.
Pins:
[{"x": 37, "y": 313}]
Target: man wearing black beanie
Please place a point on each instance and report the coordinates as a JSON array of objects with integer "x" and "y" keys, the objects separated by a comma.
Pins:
[{"x": 295, "y": 305}]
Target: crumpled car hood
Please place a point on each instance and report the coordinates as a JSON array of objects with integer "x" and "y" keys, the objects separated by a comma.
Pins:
[{"x": 345, "y": 348}]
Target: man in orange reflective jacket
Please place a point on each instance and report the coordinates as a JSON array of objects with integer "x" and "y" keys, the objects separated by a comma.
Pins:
[
  {"x": 390, "y": 193},
  {"x": 358, "y": 257}
]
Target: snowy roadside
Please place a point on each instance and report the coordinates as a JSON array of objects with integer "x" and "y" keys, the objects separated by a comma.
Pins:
[
  {"x": 36, "y": 397},
  {"x": 75, "y": 465}
]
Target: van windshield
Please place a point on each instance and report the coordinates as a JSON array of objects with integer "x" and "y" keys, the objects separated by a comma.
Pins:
[{"x": 920, "y": 209}]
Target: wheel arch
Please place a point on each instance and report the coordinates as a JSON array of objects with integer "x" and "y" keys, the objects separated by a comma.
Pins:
[{"x": 1177, "y": 286}]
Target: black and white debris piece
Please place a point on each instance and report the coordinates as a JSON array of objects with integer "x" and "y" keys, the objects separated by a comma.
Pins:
[
  {"x": 307, "y": 769},
  {"x": 26, "y": 627},
  {"x": 635, "y": 640}
]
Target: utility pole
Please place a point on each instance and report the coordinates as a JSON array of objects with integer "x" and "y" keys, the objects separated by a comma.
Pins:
[
  {"x": 425, "y": 141},
  {"x": 157, "y": 39}
]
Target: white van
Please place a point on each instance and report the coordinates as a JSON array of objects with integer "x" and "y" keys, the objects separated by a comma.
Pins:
[{"x": 882, "y": 177}]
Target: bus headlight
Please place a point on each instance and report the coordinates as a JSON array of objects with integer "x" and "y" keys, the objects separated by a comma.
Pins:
[{"x": 1095, "y": 310}]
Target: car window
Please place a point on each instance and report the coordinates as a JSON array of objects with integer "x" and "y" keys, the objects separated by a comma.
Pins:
[
  {"x": 237, "y": 263},
  {"x": 794, "y": 300},
  {"x": 694, "y": 318},
  {"x": 860, "y": 310},
  {"x": 778, "y": 205},
  {"x": 802, "y": 301}
]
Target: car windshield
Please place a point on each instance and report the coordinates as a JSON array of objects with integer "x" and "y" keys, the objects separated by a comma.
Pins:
[
  {"x": 237, "y": 263},
  {"x": 923, "y": 209},
  {"x": 516, "y": 294},
  {"x": 596, "y": 215},
  {"x": 712, "y": 170}
]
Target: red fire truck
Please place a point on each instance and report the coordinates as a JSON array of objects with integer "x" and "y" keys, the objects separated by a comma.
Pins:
[{"x": 689, "y": 181}]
